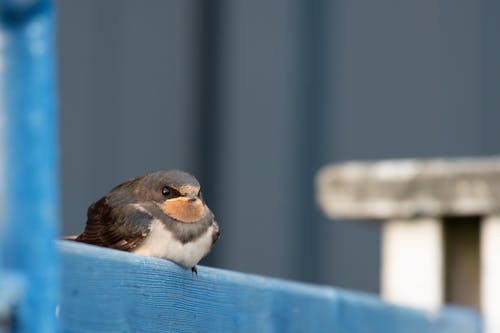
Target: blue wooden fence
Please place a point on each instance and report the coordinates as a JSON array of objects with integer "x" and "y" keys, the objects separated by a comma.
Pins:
[
  {"x": 29, "y": 199},
  {"x": 102, "y": 290},
  {"x": 111, "y": 291}
]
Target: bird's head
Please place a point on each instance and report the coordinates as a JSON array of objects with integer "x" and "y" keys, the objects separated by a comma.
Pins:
[
  {"x": 175, "y": 192},
  {"x": 178, "y": 194}
]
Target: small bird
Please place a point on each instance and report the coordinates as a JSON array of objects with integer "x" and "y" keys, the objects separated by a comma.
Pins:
[{"x": 161, "y": 214}]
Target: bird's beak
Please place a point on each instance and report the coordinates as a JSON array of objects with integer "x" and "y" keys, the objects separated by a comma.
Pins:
[{"x": 191, "y": 197}]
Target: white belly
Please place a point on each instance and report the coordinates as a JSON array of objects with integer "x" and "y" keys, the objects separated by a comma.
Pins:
[{"x": 160, "y": 243}]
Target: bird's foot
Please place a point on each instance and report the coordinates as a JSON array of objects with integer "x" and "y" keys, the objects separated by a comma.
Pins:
[{"x": 194, "y": 270}]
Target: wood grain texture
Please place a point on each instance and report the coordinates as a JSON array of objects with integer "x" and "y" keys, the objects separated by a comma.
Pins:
[{"x": 105, "y": 290}]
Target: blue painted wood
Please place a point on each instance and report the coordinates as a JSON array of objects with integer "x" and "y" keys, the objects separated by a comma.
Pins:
[
  {"x": 105, "y": 290},
  {"x": 28, "y": 157},
  {"x": 11, "y": 292}
]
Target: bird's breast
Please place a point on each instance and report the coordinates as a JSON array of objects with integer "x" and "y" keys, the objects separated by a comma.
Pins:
[{"x": 162, "y": 243}]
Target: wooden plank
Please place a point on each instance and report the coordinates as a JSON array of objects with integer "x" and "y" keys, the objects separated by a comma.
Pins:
[
  {"x": 105, "y": 290},
  {"x": 410, "y": 188},
  {"x": 412, "y": 262}
]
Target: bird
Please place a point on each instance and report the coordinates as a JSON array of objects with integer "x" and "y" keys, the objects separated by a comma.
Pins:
[{"x": 161, "y": 214}]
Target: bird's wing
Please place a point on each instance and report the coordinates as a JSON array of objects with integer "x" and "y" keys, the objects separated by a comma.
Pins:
[{"x": 120, "y": 227}]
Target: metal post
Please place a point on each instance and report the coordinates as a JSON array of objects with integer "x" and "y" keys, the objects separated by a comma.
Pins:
[{"x": 28, "y": 157}]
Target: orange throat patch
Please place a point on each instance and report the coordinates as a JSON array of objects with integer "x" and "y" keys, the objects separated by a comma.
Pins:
[{"x": 183, "y": 210}]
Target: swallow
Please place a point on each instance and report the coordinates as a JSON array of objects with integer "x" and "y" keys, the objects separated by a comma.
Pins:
[{"x": 161, "y": 214}]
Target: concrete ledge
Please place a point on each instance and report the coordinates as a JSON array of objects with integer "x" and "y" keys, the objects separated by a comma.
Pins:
[
  {"x": 105, "y": 290},
  {"x": 410, "y": 188}
]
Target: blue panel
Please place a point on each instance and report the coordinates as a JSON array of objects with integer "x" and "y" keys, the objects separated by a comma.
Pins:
[
  {"x": 28, "y": 156},
  {"x": 105, "y": 290}
]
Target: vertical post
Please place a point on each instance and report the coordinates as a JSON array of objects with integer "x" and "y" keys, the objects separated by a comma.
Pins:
[
  {"x": 412, "y": 262},
  {"x": 490, "y": 272},
  {"x": 29, "y": 157}
]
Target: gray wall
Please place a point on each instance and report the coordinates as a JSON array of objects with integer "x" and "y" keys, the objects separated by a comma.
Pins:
[{"x": 254, "y": 96}]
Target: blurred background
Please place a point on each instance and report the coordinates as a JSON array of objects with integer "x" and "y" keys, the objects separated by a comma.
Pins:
[{"x": 254, "y": 96}]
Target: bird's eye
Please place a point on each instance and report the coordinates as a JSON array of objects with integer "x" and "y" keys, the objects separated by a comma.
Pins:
[{"x": 165, "y": 191}]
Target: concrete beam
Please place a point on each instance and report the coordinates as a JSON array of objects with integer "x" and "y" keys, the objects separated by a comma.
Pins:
[{"x": 410, "y": 188}]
